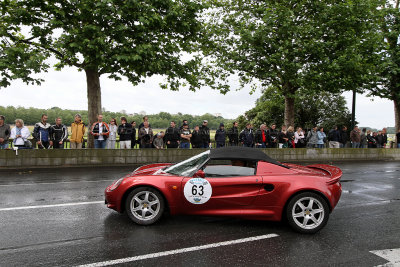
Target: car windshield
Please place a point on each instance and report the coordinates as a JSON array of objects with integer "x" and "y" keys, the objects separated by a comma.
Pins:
[{"x": 190, "y": 166}]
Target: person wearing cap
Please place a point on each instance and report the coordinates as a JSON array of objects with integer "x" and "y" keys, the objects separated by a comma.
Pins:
[
  {"x": 185, "y": 136},
  {"x": 5, "y": 133},
  {"x": 159, "y": 141},
  {"x": 205, "y": 135},
  {"x": 220, "y": 136}
]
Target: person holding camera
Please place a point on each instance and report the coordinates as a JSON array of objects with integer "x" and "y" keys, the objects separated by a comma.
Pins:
[
  {"x": 146, "y": 135},
  {"x": 125, "y": 134}
]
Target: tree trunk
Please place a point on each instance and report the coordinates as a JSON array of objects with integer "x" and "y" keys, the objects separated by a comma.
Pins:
[
  {"x": 289, "y": 111},
  {"x": 94, "y": 100},
  {"x": 397, "y": 114}
]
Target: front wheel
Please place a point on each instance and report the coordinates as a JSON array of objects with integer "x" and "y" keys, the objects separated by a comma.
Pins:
[
  {"x": 307, "y": 213},
  {"x": 144, "y": 205}
]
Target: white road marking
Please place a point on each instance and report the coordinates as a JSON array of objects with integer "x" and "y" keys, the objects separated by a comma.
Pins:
[
  {"x": 52, "y": 206},
  {"x": 179, "y": 251},
  {"x": 74, "y": 182},
  {"x": 392, "y": 255}
]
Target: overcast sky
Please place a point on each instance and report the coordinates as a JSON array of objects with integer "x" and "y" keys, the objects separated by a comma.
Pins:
[{"x": 67, "y": 89}]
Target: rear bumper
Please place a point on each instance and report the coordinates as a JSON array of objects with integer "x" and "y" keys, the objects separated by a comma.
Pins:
[{"x": 336, "y": 192}]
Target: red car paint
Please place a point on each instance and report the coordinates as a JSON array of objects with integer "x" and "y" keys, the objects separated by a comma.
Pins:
[{"x": 262, "y": 196}]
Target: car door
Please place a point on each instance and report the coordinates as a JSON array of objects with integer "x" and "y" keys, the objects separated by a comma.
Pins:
[{"x": 228, "y": 192}]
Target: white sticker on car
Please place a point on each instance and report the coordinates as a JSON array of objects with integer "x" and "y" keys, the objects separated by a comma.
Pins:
[{"x": 197, "y": 190}]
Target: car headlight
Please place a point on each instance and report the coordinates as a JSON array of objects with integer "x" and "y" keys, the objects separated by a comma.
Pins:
[{"x": 115, "y": 184}]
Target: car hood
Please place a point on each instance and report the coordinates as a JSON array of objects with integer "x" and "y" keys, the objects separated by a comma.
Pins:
[{"x": 149, "y": 169}]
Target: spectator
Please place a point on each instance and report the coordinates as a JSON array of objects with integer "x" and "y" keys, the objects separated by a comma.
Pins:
[
  {"x": 334, "y": 138},
  {"x": 185, "y": 135},
  {"x": 146, "y": 135},
  {"x": 220, "y": 136},
  {"x": 183, "y": 122},
  {"x": 246, "y": 136},
  {"x": 273, "y": 135},
  {"x": 385, "y": 137},
  {"x": 58, "y": 134},
  {"x": 283, "y": 138},
  {"x": 5, "y": 133},
  {"x": 145, "y": 118},
  {"x": 205, "y": 135},
  {"x": 299, "y": 138},
  {"x": 125, "y": 134},
  {"x": 363, "y": 136},
  {"x": 41, "y": 132},
  {"x": 321, "y": 138},
  {"x": 100, "y": 132},
  {"x": 233, "y": 134},
  {"x": 344, "y": 137},
  {"x": 77, "y": 132},
  {"x": 312, "y": 138},
  {"x": 133, "y": 136},
  {"x": 261, "y": 137},
  {"x": 355, "y": 137},
  {"x": 159, "y": 141},
  {"x": 20, "y": 134},
  {"x": 112, "y": 137},
  {"x": 398, "y": 139},
  {"x": 196, "y": 139},
  {"x": 379, "y": 139},
  {"x": 371, "y": 139},
  {"x": 172, "y": 136},
  {"x": 290, "y": 136}
]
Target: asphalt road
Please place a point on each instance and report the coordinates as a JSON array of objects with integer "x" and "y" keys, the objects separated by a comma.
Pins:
[{"x": 57, "y": 217}]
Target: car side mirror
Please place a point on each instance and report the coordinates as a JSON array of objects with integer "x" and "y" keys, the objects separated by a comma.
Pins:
[{"x": 199, "y": 174}]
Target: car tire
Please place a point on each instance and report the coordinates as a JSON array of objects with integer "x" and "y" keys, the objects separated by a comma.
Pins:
[
  {"x": 145, "y": 205},
  {"x": 307, "y": 213}
]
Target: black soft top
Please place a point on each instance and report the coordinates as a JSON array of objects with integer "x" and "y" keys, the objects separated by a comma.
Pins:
[{"x": 242, "y": 153}]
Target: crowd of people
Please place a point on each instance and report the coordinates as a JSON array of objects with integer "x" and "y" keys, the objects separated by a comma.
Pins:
[{"x": 105, "y": 135}]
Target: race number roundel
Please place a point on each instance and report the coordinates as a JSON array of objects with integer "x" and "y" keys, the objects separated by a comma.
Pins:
[{"x": 197, "y": 191}]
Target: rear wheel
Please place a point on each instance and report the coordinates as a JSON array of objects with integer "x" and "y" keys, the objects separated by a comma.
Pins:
[
  {"x": 307, "y": 213},
  {"x": 144, "y": 205}
]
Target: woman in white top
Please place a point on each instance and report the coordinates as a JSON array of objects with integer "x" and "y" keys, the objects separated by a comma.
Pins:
[
  {"x": 113, "y": 134},
  {"x": 299, "y": 138},
  {"x": 20, "y": 133}
]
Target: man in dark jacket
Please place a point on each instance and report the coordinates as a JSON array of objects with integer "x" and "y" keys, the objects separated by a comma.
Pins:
[
  {"x": 205, "y": 135},
  {"x": 196, "y": 138},
  {"x": 344, "y": 137},
  {"x": 41, "y": 133},
  {"x": 220, "y": 136},
  {"x": 334, "y": 137},
  {"x": 58, "y": 134},
  {"x": 273, "y": 135},
  {"x": 246, "y": 136},
  {"x": 133, "y": 136},
  {"x": 172, "y": 136},
  {"x": 233, "y": 134},
  {"x": 262, "y": 139},
  {"x": 5, "y": 133},
  {"x": 385, "y": 137},
  {"x": 125, "y": 134}
]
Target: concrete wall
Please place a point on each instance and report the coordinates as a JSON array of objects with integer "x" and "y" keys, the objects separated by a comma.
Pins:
[{"x": 93, "y": 157}]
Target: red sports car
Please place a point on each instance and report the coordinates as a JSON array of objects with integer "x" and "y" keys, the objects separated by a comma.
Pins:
[{"x": 232, "y": 181}]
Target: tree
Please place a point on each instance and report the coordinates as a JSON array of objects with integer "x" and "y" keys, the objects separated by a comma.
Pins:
[
  {"x": 390, "y": 65},
  {"x": 324, "y": 109},
  {"x": 314, "y": 46},
  {"x": 132, "y": 39}
]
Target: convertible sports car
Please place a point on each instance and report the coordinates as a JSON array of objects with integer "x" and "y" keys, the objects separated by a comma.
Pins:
[{"x": 232, "y": 181}]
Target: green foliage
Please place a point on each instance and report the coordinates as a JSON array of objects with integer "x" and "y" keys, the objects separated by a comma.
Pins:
[
  {"x": 133, "y": 39},
  {"x": 324, "y": 109},
  {"x": 315, "y": 46},
  {"x": 30, "y": 116}
]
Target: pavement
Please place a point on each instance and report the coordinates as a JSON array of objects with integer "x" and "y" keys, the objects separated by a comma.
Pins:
[{"x": 57, "y": 217}]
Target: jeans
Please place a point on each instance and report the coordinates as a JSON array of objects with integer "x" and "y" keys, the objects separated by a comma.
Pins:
[
  {"x": 262, "y": 145},
  {"x": 320, "y": 145},
  {"x": 220, "y": 145},
  {"x": 4, "y": 146},
  {"x": 205, "y": 145},
  {"x": 185, "y": 145},
  {"x": 355, "y": 145},
  {"x": 100, "y": 143},
  {"x": 398, "y": 145}
]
